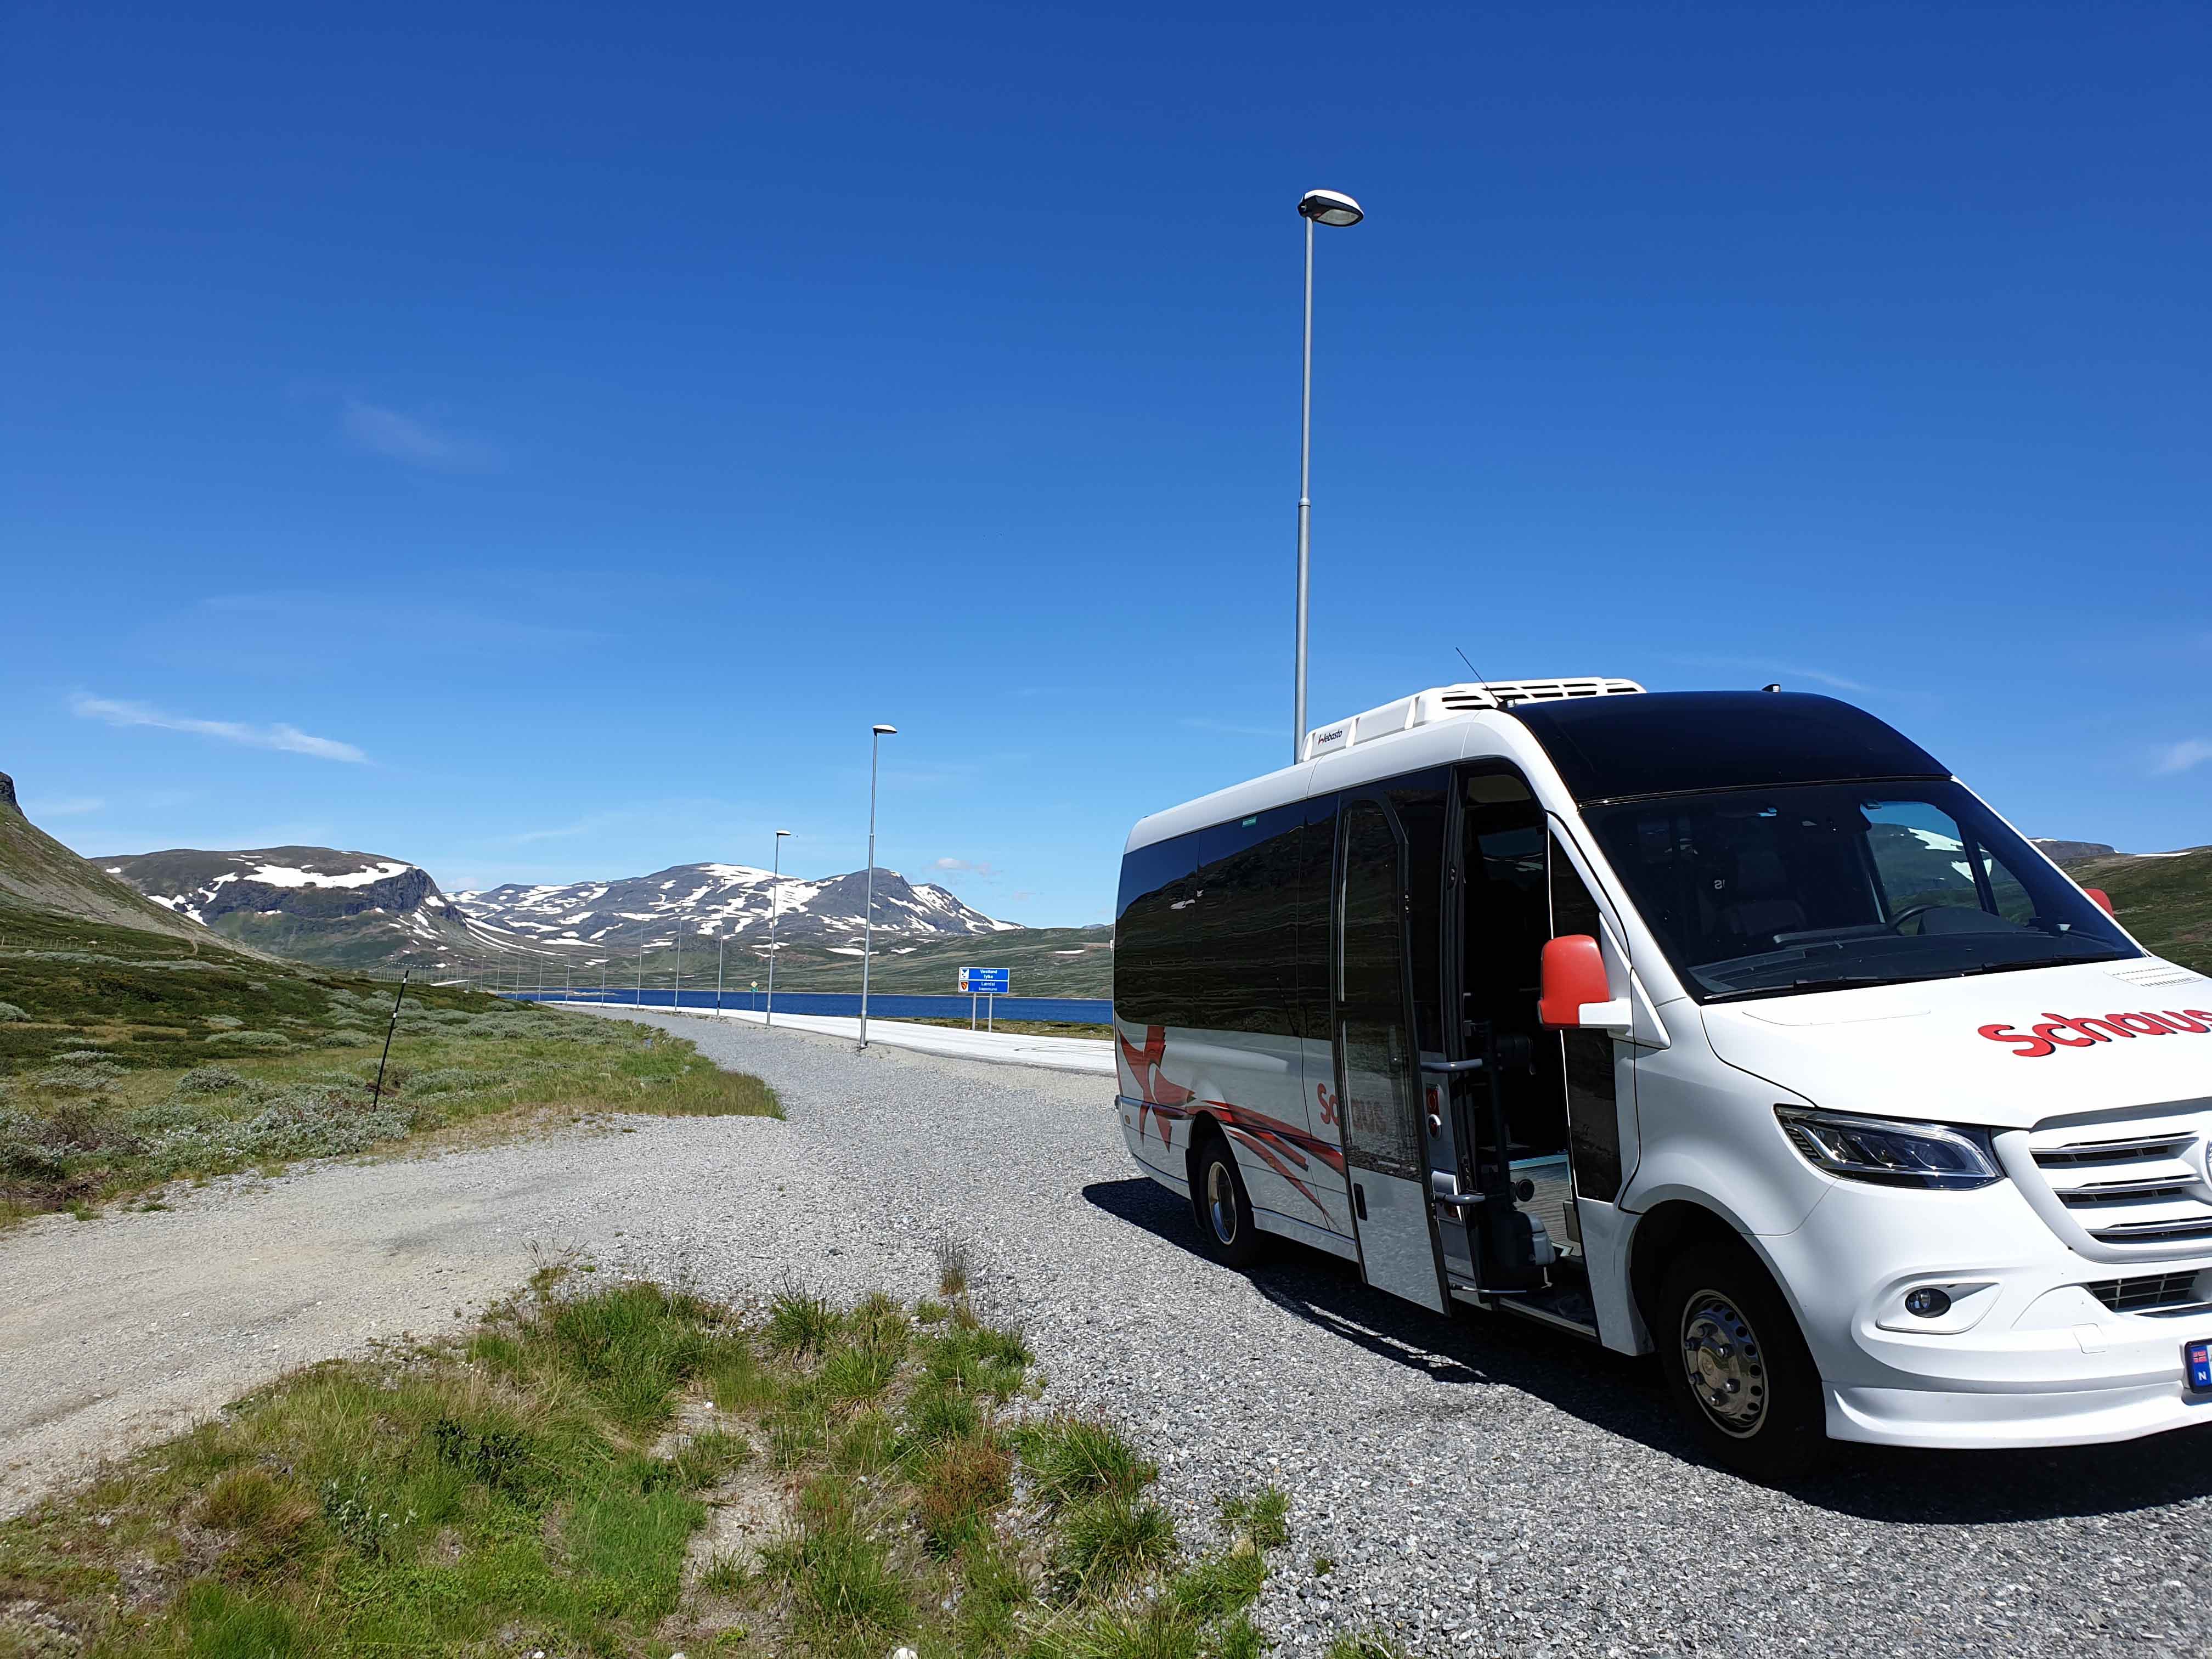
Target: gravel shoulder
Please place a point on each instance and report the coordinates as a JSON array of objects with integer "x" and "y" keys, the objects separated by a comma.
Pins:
[{"x": 1477, "y": 1485}]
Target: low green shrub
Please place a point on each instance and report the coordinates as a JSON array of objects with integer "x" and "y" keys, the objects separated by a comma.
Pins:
[
  {"x": 209, "y": 1081},
  {"x": 453, "y": 1079}
]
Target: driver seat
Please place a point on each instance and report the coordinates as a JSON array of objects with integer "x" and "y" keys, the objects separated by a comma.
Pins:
[{"x": 1758, "y": 905}]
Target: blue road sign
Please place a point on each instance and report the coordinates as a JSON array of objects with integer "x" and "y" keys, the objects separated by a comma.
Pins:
[{"x": 985, "y": 982}]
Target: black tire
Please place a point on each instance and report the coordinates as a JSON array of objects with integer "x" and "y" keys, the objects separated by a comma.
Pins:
[
  {"x": 1736, "y": 1365},
  {"x": 1225, "y": 1213}
]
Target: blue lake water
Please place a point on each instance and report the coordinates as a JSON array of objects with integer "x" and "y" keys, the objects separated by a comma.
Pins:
[{"x": 1094, "y": 1010}]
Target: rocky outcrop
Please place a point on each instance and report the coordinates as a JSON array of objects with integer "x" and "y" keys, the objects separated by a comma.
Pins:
[
  {"x": 410, "y": 891},
  {"x": 38, "y": 871}
]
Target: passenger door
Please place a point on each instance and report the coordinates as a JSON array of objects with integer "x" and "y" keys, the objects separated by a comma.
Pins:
[{"x": 1378, "y": 1067}]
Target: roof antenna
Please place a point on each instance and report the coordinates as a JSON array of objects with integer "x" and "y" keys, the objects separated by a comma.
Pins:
[{"x": 1471, "y": 668}]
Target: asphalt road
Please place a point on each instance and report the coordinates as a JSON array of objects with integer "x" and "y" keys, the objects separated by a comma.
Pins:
[{"x": 1474, "y": 1486}]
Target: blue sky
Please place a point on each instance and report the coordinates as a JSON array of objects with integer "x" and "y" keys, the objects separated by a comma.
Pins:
[{"x": 538, "y": 441}]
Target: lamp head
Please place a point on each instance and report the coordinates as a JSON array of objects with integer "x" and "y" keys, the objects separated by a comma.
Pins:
[
  {"x": 781, "y": 834},
  {"x": 1330, "y": 207},
  {"x": 886, "y": 731}
]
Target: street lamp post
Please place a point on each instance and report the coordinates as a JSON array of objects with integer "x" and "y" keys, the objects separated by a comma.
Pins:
[
  {"x": 775, "y": 905},
  {"x": 1316, "y": 207},
  {"x": 720, "y": 945},
  {"x": 868, "y": 923}
]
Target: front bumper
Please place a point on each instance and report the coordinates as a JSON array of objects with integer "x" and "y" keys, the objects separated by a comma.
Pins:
[
  {"x": 2041, "y": 1363},
  {"x": 2068, "y": 1416}
]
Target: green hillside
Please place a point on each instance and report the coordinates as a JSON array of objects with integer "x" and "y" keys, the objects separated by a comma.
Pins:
[
  {"x": 2164, "y": 901},
  {"x": 37, "y": 873},
  {"x": 1047, "y": 962}
]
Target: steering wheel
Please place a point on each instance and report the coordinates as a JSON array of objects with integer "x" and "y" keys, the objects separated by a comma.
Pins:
[{"x": 1897, "y": 923}]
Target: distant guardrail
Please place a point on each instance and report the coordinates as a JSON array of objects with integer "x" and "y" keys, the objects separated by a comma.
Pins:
[{"x": 1080, "y": 1010}]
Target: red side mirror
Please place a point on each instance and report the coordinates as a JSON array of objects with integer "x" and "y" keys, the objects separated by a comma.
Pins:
[
  {"x": 2104, "y": 904},
  {"x": 1574, "y": 974}
]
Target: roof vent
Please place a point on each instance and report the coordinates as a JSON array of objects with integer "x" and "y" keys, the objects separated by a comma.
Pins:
[{"x": 1446, "y": 701}]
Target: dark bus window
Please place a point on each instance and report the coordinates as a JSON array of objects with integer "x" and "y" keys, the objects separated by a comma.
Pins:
[
  {"x": 1153, "y": 984},
  {"x": 1419, "y": 802},
  {"x": 1207, "y": 934},
  {"x": 1378, "y": 1063},
  {"x": 1242, "y": 918},
  {"x": 1316, "y": 861},
  {"x": 1593, "y": 1109},
  {"x": 1507, "y": 918}
]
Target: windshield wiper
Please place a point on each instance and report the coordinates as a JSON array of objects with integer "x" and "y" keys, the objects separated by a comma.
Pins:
[
  {"x": 1840, "y": 983},
  {"x": 2034, "y": 962}
]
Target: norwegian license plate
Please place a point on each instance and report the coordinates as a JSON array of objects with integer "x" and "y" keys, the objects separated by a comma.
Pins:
[{"x": 2196, "y": 1366}]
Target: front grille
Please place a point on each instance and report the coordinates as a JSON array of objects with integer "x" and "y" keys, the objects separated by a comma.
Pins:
[
  {"x": 2137, "y": 1149},
  {"x": 2142, "y": 1190},
  {"x": 2175, "y": 1231},
  {"x": 2159, "y": 1295},
  {"x": 2125, "y": 1192}
]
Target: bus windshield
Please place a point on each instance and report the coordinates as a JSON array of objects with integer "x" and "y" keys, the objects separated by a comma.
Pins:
[{"x": 1817, "y": 887}]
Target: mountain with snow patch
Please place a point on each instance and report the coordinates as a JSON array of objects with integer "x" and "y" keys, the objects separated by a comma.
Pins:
[
  {"x": 728, "y": 902},
  {"x": 311, "y": 903}
]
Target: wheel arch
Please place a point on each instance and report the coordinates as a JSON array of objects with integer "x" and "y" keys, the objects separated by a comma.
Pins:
[
  {"x": 1664, "y": 1233},
  {"x": 1205, "y": 1129}
]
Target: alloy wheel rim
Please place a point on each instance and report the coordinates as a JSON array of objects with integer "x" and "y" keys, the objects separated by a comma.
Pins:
[
  {"x": 1725, "y": 1364},
  {"x": 1221, "y": 1202}
]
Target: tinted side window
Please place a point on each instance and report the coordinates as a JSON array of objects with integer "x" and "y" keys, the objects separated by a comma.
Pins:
[
  {"x": 1153, "y": 984},
  {"x": 1316, "y": 861},
  {"x": 1207, "y": 934},
  {"x": 1373, "y": 1043},
  {"x": 1419, "y": 802},
  {"x": 1243, "y": 917},
  {"x": 1593, "y": 1107}
]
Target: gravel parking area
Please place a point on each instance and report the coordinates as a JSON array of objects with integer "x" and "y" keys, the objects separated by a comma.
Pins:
[{"x": 1473, "y": 1486}]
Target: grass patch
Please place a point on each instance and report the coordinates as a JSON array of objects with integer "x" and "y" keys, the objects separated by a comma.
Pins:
[
  {"x": 1074, "y": 1461},
  {"x": 550, "y": 1482},
  {"x": 1364, "y": 1645},
  {"x": 1067, "y": 1027},
  {"x": 102, "y": 1096}
]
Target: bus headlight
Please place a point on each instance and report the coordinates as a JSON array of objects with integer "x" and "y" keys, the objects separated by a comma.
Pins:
[{"x": 1891, "y": 1152}]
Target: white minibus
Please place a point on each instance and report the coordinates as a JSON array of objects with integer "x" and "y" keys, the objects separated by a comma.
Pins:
[{"x": 1725, "y": 1025}]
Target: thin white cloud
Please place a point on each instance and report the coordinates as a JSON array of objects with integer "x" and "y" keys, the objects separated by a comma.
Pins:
[
  {"x": 585, "y": 826},
  {"x": 290, "y": 738},
  {"x": 1779, "y": 670},
  {"x": 986, "y": 871},
  {"x": 73, "y": 806},
  {"x": 2180, "y": 757},
  {"x": 386, "y": 432}
]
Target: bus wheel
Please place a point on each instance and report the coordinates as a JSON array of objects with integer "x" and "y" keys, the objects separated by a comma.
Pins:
[
  {"x": 1224, "y": 1214},
  {"x": 1736, "y": 1365}
]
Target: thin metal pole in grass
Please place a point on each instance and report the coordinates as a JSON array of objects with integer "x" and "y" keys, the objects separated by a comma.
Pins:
[
  {"x": 868, "y": 926},
  {"x": 376, "y": 1095},
  {"x": 721, "y": 947},
  {"x": 774, "y": 909},
  {"x": 676, "y": 997}
]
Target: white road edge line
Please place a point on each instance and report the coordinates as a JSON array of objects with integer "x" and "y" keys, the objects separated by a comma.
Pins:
[{"x": 1094, "y": 1055}]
